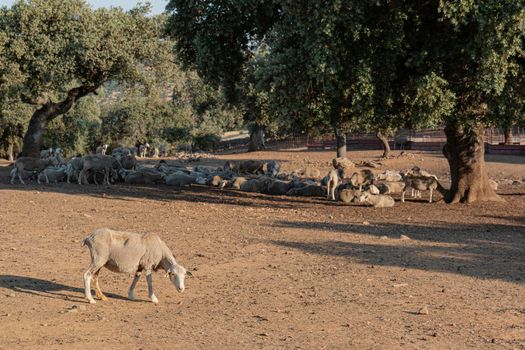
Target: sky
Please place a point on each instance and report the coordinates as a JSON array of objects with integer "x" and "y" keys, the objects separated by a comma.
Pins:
[{"x": 157, "y": 5}]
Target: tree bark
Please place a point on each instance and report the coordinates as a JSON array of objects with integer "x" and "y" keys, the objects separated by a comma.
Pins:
[
  {"x": 465, "y": 151},
  {"x": 10, "y": 151},
  {"x": 386, "y": 145},
  {"x": 257, "y": 142},
  {"x": 340, "y": 141},
  {"x": 47, "y": 112},
  {"x": 508, "y": 135}
]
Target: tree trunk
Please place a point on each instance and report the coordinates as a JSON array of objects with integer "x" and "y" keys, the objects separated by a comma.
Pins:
[
  {"x": 35, "y": 133},
  {"x": 386, "y": 145},
  {"x": 340, "y": 141},
  {"x": 257, "y": 139},
  {"x": 508, "y": 135},
  {"x": 47, "y": 112},
  {"x": 465, "y": 151},
  {"x": 10, "y": 151}
]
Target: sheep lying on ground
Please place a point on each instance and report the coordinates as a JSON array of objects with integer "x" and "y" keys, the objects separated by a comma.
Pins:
[
  {"x": 129, "y": 253},
  {"x": 277, "y": 187},
  {"x": 390, "y": 176},
  {"x": 272, "y": 168},
  {"x": 179, "y": 179},
  {"x": 377, "y": 201},
  {"x": 420, "y": 183},
  {"x": 245, "y": 166},
  {"x": 347, "y": 195},
  {"x": 362, "y": 178},
  {"x": 128, "y": 161},
  {"x": 255, "y": 185},
  {"x": 307, "y": 191},
  {"x": 25, "y": 164}
]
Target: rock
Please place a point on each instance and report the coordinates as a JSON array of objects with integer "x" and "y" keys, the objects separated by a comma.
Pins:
[
  {"x": 505, "y": 182},
  {"x": 399, "y": 285},
  {"x": 403, "y": 237},
  {"x": 423, "y": 311},
  {"x": 11, "y": 295},
  {"x": 73, "y": 311},
  {"x": 383, "y": 237},
  {"x": 366, "y": 223},
  {"x": 516, "y": 182}
]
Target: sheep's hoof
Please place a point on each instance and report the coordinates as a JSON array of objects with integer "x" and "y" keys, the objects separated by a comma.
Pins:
[
  {"x": 131, "y": 297},
  {"x": 154, "y": 300},
  {"x": 103, "y": 298},
  {"x": 92, "y": 301}
]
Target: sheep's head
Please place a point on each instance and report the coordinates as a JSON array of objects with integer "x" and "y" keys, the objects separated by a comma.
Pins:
[{"x": 177, "y": 274}]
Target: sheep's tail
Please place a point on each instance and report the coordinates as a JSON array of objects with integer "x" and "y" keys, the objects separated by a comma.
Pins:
[{"x": 85, "y": 241}]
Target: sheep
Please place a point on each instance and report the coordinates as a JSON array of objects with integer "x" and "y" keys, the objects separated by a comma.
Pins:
[
  {"x": 26, "y": 175},
  {"x": 237, "y": 182},
  {"x": 179, "y": 179},
  {"x": 246, "y": 166},
  {"x": 391, "y": 187},
  {"x": 163, "y": 152},
  {"x": 361, "y": 178},
  {"x": 307, "y": 191},
  {"x": 140, "y": 177},
  {"x": 420, "y": 183},
  {"x": 73, "y": 168},
  {"x": 143, "y": 150},
  {"x": 277, "y": 187},
  {"x": 310, "y": 172},
  {"x": 377, "y": 201},
  {"x": 345, "y": 165},
  {"x": 154, "y": 153},
  {"x": 332, "y": 183},
  {"x": 132, "y": 253},
  {"x": 372, "y": 189},
  {"x": 215, "y": 181},
  {"x": 255, "y": 185},
  {"x": 30, "y": 164},
  {"x": 102, "y": 163},
  {"x": 347, "y": 195},
  {"x": 101, "y": 150},
  {"x": 390, "y": 176},
  {"x": 52, "y": 174},
  {"x": 128, "y": 162},
  {"x": 272, "y": 168}
]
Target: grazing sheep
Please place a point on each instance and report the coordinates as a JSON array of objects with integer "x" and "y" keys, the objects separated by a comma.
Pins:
[
  {"x": 361, "y": 178},
  {"x": 377, "y": 201},
  {"x": 277, "y": 187},
  {"x": 131, "y": 253},
  {"x": 332, "y": 183},
  {"x": 101, "y": 150},
  {"x": 52, "y": 174},
  {"x": 98, "y": 163},
  {"x": 25, "y": 164},
  {"x": 420, "y": 183},
  {"x": 307, "y": 191},
  {"x": 179, "y": 179}
]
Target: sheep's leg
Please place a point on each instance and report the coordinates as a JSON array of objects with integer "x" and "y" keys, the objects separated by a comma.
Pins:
[
  {"x": 47, "y": 178},
  {"x": 403, "y": 196},
  {"x": 131, "y": 291},
  {"x": 87, "y": 284},
  {"x": 151, "y": 294},
  {"x": 98, "y": 292},
  {"x": 80, "y": 177},
  {"x": 430, "y": 198}
]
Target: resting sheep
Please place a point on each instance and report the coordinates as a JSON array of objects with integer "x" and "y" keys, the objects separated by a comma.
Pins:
[
  {"x": 277, "y": 187},
  {"x": 362, "y": 178},
  {"x": 179, "y": 179},
  {"x": 377, "y": 201},
  {"x": 131, "y": 253},
  {"x": 307, "y": 191}
]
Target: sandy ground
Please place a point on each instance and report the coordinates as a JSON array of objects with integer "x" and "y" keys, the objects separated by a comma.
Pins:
[{"x": 269, "y": 272}]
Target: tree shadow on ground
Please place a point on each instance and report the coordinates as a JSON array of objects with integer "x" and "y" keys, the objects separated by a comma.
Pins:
[
  {"x": 45, "y": 288},
  {"x": 486, "y": 251}
]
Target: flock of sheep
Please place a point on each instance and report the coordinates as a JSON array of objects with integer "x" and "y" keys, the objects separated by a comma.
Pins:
[{"x": 344, "y": 182}]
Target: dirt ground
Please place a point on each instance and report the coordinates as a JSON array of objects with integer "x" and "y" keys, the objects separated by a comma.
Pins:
[{"x": 269, "y": 272}]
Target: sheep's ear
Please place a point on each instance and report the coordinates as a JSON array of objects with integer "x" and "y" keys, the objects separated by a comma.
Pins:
[{"x": 189, "y": 274}]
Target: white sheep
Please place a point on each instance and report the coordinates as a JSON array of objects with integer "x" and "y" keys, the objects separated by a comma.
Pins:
[
  {"x": 53, "y": 174},
  {"x": 101, "y": 150},
  {"x": 131, "y": 253},
  {"x": 332, "y": 183},
  {"x": 377, "y": 201},
  {"x": 362, "y": 178},
  {"x": 25, "y": 164},
  {"x": 98, "y": 163},
  {"x": 390, "y": 176}
]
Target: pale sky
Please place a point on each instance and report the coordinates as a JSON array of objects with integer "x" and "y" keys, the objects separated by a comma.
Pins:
[{"x": 158, "y": 5}]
